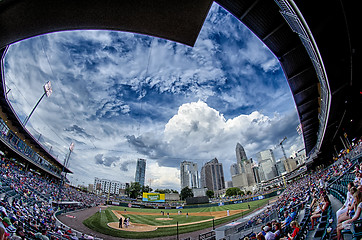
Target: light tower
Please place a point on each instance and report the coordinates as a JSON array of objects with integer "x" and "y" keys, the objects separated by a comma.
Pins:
[{"x": 47, "y": 91}]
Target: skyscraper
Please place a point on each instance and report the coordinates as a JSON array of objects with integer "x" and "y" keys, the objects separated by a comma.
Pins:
[
  {"x": 240, "y": 153},
  {"x": 267, "y": 168},
  {"x": 234, "y": 169},
  {"x": 241, "y": 172},
  {"x": 189, "y": 175},
  {"x": 141, "y": 171},
  {"x": 255, "y": 168},
  {"x": 279, "y": 164},
  {"x": 212, "y": 175}
]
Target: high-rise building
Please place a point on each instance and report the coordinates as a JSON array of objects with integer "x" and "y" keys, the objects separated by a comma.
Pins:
[
  {"x": 241, "y": 172},
  {"x": 240, "y": 153},
  {"x": 234, "y": 169},
  {"x": 267, "y": 168},
  {"x": 107, "y": 186},
  {"x": 290, "y": 164},
  {"x": 228, "y": 184},
  {"x": 140, "y": 171},
  {"x": 189, "y": 175},
  {"x": 255, "y": 168},
  {"x": 212, "y": 175},
  {"x": 280, "y": 166}
]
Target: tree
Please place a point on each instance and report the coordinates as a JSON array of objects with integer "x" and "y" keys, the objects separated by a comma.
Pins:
[
  {"x": 146, "y": 189},
  {"x": 166, "y": 190},
  {"x": 234, "y": 191},
  {"x": 210, "y": 193},
  {"x": 186, "y": 192},
  {"x": 133, "y": 190}
]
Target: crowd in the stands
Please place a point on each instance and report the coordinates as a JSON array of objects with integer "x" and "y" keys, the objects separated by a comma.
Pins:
[
  {"x": 26, "y": 206},
  {"x": 311, "y": 191}
]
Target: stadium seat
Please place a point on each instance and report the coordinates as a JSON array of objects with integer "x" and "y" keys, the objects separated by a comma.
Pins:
[{"x": 356, "y": 229}]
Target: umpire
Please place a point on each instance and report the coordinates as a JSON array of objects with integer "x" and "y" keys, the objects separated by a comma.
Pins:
[{"x": 120, "y": 222}]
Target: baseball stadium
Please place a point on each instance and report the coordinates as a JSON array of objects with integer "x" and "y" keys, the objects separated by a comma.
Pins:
[{"x": 175, "y": 82}]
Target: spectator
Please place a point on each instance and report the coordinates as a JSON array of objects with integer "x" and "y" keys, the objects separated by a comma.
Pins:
[
  {"x": 3, "y": 234},
  {"x": 20, "y": 232},
  {"x": 296, "y": 228},
  {"x": 260, "y": 236},
  {"x": 347, "y": 224},
  {"x": 287, "y": 220},
  {"x": 348, "y": 202},
  {"x": 277, "y": 230},
  {"x": 269, "y": 235},
  {"x": 350, "y": 209},
  {"x": 42, "y": 235},
  {"x": 318, "y": 212},
  {"x": 262, "y": 230},
  {"x": 293, "y": 214}
]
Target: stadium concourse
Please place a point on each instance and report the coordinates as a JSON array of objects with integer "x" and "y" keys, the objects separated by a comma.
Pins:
[{"x": 28, "y": 210}]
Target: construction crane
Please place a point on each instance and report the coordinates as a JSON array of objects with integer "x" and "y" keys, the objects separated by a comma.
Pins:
[{"x": 281, "y": 146}]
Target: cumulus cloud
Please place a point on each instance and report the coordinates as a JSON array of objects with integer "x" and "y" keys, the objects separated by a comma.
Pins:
[{"x": 198, "y": 132}]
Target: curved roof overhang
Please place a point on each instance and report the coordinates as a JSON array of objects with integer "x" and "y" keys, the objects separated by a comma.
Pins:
[{"x": 315, "y": 42}]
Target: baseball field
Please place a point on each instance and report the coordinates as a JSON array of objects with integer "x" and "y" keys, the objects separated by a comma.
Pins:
[{"x": 153, "y": 223}]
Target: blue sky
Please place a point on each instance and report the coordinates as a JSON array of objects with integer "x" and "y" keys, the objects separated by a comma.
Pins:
[{"x": 121, "y": 96}]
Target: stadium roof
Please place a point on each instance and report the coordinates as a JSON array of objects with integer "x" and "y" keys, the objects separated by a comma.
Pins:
[{"x": 315, "y": 42}]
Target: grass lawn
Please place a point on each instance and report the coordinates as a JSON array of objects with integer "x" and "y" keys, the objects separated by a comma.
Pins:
[
  {"x": 152, "y": 219},
  {"x": 98, "y": 221}
]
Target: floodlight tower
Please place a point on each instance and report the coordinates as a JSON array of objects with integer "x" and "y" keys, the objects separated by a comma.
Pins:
[
  {"x": 47, "y": 91},
  {"x": 66, "y": 161}
]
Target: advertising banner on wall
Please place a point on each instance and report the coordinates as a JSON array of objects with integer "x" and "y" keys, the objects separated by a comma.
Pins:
[{"x": 153, "y": 197}]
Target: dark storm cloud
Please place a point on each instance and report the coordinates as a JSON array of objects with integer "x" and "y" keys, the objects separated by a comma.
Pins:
[
  {"x": 105, "y": 161},
  {"x": 124, "y": 165},
  {"x": 75, "y": 129},
  {"x": 154, "y": 149},
  {"x": 150, "y": 147}
]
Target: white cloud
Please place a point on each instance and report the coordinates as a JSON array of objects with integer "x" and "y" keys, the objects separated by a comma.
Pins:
[
  {"x": 162, "y": 177},
  {"x": 199, "y": 133}
]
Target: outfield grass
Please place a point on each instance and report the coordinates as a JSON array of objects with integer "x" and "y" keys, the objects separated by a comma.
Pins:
[
  {"x": 98, "y": 222},
  {"x": 152, "y": 219}
]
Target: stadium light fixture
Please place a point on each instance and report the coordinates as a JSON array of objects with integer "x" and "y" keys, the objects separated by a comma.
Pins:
[
  {"x": 66, "y": 162},
  {"x": 47, "y": 91}
]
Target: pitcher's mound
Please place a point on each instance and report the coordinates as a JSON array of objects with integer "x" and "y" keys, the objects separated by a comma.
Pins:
[{"x": 164, "y": 219}]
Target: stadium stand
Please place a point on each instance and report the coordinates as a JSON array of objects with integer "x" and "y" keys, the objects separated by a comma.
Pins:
[
  {"x": 28, "y": 207},
  {"x": 304, "y": 198}
]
